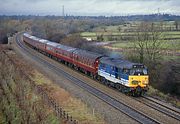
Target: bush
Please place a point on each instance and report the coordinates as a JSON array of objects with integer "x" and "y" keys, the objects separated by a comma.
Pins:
[{"x": 170, "y": 78}]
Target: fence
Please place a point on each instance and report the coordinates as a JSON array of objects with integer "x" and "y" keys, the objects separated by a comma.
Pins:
[{"x": 60, "y": 113}]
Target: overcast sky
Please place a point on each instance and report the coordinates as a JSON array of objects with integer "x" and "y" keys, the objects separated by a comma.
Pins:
[{"x": 88, "y": 7}]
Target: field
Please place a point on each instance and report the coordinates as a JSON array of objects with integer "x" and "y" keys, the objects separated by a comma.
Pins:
[
  {"x": 125, "y": 35},
  {"x": 167, "y": 44}
]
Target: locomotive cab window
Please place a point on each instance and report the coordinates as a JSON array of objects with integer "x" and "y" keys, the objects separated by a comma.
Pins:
[{"x": 138, "y": 71}]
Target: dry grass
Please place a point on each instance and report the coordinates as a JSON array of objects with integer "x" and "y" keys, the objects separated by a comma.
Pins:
[
  {"x": 75, "y": 107},
  {"x": 154, "y": 92},
  {"x": 19, "y": 101}
]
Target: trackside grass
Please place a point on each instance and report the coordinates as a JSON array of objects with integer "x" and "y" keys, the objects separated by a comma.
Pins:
[
  {"x": 75, "y": 107},
  {"x": 154, "y": 92}
]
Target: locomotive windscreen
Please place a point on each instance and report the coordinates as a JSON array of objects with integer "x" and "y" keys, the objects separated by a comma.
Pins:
[{"x": 138, "y": 70}]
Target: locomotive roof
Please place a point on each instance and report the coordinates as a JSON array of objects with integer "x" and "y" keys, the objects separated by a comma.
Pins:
[
  {"x": 118, "y": 62},
  {"x": 86, "y": 54}
]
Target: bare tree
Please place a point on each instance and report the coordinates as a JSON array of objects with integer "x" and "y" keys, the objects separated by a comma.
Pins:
[
  {"x": 154, "y": 43},
  {"x": 148, "y": 42},
  {"x": 48, "y": 29},
  {"x": 142, "y": 37},
  {"x": 119, "y": 28},
  {"x": 104, "y": 28},
  {"x": 176, "y": 23}
]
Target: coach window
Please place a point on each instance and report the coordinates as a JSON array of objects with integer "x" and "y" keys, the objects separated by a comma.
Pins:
[
  {"x": 87, "y": 61},
  {"x": 48, "y": 48},
  {"x": 83, "y": 59},
  {"x": 91, "y": 63},
  {"x": 77, "y": 58}
]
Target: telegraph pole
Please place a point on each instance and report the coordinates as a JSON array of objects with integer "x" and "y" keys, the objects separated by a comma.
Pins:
[
  {"x": 63, "y": 11},
  {"x": 158, "y": 11}
]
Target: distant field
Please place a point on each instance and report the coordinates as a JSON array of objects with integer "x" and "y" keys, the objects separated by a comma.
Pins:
[
  {"x": 123, "y": 45},
  {"x": 173, "y": 45},
  {"x": 90, "y": 34},
  {"x": 93, "y": 34},
  {"x": 125, "y": 38},
  {"x": 172, "y": 39},
  {"x": 172, "y": 32}
]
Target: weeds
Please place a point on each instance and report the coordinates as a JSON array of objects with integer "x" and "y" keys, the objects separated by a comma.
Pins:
[{"x": 19, "y": 103}]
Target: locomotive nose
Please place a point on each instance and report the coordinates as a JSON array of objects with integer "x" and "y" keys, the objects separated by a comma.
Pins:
[{"x": 141, "y": 81}]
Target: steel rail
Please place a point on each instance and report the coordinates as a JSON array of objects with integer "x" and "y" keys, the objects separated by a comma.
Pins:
[{"x": 167, "y": 110}]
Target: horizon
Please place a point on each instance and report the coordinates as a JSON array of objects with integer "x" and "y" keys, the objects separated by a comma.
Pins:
[
  {"x": 128, "y": 15},
  {"x": 89, "y": 8}
]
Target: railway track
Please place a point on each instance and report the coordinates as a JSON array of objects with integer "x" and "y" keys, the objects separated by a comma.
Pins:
[
  {"x": 161, "y": 107},
  {"x": 120, "y": 106}
]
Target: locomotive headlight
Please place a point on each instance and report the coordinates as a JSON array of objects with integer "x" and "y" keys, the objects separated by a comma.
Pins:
[{"x": 145, "y": 82}]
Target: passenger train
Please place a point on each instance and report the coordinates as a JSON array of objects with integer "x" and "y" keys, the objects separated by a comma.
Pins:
[{"x": 125, "y": 76}]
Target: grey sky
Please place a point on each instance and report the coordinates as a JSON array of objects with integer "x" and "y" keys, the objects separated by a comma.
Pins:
[{"x": 88, "y": 7}]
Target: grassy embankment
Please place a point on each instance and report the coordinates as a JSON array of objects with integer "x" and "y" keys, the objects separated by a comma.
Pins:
[
  {"x": 19, "y": 101},
  {"x": 21, "y": 104},
  {"x": 75, "y": 107},
  {"x": 166, "y": 97}
]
